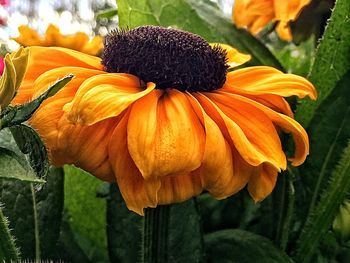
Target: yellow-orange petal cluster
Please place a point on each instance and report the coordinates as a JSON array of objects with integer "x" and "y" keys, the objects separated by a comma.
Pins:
[
  {"x": 53, "y": 38},
  {"x": 256, "y": 14},
  {"x": 163, "y": 145}
]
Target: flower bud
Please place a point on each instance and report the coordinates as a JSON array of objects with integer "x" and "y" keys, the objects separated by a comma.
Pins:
[
  {"x": 15, "y": 68},
  {"x": 341, "y": 224}
]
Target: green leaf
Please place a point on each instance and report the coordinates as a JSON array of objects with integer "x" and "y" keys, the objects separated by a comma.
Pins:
[
  {"x": 239, "y": 246},
  {"x": 28, "y": 219},
  {"x": 185, "y": 242},
  {"x": 324, "y": 213},
  {"x": 329, "y": 132},
  {"x": 86, "y": 213},
  {"x": 332, "y": 60},
  {"x": 18, "y": 114},
  {"x": 17, "y": 166},
  {"x": 30, "y": 144},
  {"x": 49, "y": 203},
  {"x": 107, "y": 14},
  {"x": 14, "y": 167},
  {"x": 68, "y": 250},
  {"x": 197, "y": 17},
  {"x": 8, "y": 249}
]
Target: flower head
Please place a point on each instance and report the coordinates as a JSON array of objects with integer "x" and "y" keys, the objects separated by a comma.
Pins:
[
  {"x": 167, "y": 125},
  {"x": 14, "y": 68},
  {"x": 256, "y": 14},
  {"x": 53, "y": 38}
]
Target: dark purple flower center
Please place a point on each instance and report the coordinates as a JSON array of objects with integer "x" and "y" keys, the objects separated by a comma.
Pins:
[{"x": 169, "y": 57}]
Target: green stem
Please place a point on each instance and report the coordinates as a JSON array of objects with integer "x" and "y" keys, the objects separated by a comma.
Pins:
[
  {"x": 155, "y": 235},
  {"x": 36, "y": 226},
  {"x": 289, "y": 212},
  {"x": 281, "y": 198},
  {"x": 8, "y": 250}
]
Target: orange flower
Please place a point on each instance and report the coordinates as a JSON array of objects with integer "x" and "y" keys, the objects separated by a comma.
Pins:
[
  {"x": 53, "y": 38},
  {"x": 162, "y": 116},
  {"x": 256, "y": 14}
]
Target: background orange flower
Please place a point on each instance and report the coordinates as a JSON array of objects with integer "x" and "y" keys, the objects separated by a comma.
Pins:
[
  {"x": 53, "y": 38},
  {"x": 256, "y": 14}
]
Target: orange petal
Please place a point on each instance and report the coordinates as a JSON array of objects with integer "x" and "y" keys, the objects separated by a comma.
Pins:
[
  {"x": 267, "y": 80},
  {"x": 76, "y": 41},
  {"x": 274, "y": 102},
  {"x": 252, "y": 14},
  {"x": 43, "y": 59},
  {"x": 261, "y": 184},
  {"x": 287, "y": 124},
  {"x": 245, "y": 135},
  {"x": 94, "y": 46},
  {"x": 48, "y": 78},
  {"x": 284, "y": 32},
  {"x": 180, "y": 187},
  {"x": 86, "y": 146},
  {"x": 288, "y": 10},
  {"x": 259, "y": 22},
  {"x": 257, "y": 127},
  {"x": 105, "y": 96},
  {"x": 45, "y": 121},
  {"x": 28, "y": 37},
  {"x": 234, "y": 57},
  {"x": 165, "y": 136},
  {"x": 46, "y": 118},
  {"x": 137, "y": 192},
  {"x": 52, "y": 36},
  {"x": 220, "y": 170}
]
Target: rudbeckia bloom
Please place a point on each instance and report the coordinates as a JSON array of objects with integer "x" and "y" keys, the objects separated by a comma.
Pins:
[
  {"x": 53, "y": 38},
  {"x": 256, "y": 14},
  {"x": 161, "y": 115}
]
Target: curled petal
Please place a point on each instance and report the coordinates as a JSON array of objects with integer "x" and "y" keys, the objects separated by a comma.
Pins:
[
  {"x": 105, "y": 96},
  {"x": 257, "y": 126},
  {"x": 267, "y": 80},
  {"x": 46, "y": 118},
  {"x": 274, "y": 102},
  {"x": 167, "y": 138},
  {"x": 287, "y": 124},
  {"x": 262, "y": 183},
  {"x": 249, "y": 131},
  {"x": 136, "y": 191},
  {"x": 223, "y": 172}
]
